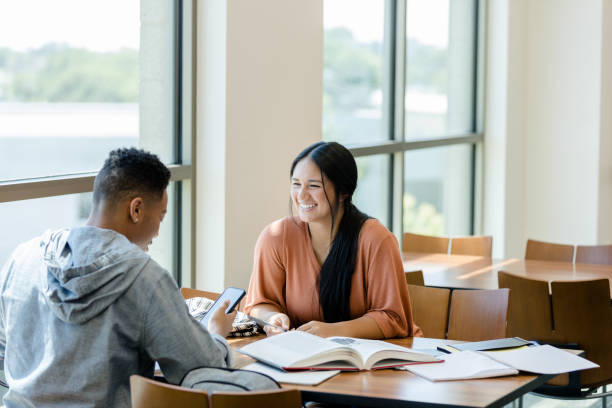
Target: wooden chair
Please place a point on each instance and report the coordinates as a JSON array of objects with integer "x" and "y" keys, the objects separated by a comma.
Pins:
[
  {"x": 477, "y": 246},
  {"x": 189, "y": 293},
  {"x": 430, "y": 309},
  {"x": 595, "y": 254},
  {"x": 582, "y": 314},
  {"x": 529, "y": 311},
  {"x": 546, "y": 251},
  {"x": 576, "y": 313},
  {"x": 147, "y": 393},
  {"x": 415, "y": 278},
  {"x": 477, "y": 315},
  {"x": 269, "y": 399},
  {"x": 424, "y": 243}
]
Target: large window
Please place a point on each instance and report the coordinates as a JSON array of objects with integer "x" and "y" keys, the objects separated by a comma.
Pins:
[
  {"x": 401, "y": 91},
  {"x": 78, "y": 79}
]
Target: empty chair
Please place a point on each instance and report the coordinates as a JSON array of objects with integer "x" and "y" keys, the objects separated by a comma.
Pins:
[
  {"x": 529, "y": 311},
  {"x": 477, "y": 315},
  {"x": 547, "y": 251},
  {"x": 477, "y": 246},
  {"x": 189, "y": 293},
  {"x": 268, "y": 399},
  {"x": 430, "y": 309},
  {"x": 147, "y": 393},
  {"x": 424, "y": 243},
  {"x": 594, "y": 254},
  {"x": 415, "y": 278}
]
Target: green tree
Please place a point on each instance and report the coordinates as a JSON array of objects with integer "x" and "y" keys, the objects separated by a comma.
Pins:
[{"x": 59, "y": 73}]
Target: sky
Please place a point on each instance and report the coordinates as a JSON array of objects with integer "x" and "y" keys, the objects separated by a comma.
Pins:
[
  {"x": 97, "y": 25},
  {"x": 426, "y": 21},
  {"x": 112, "y": 24}
]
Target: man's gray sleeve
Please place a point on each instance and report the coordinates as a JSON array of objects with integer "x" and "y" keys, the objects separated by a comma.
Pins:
[
  {"x": 3, "y": 277},
  {"x": 173, "y": 338}
]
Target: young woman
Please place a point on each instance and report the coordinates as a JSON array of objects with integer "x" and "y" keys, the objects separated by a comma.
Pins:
[{"x": 331, "y": 270}]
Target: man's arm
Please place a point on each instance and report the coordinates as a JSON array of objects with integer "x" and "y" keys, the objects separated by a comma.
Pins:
[{"x": 173, "y": 338}]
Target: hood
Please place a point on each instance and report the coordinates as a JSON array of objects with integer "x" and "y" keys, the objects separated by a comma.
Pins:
[{"x": 86, "y": 269}]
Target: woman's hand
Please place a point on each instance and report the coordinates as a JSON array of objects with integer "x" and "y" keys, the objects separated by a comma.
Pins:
[
  {"x": 221, "y": 323},
  {"x": 277, "y": 319},
  {"x": 321, "y": 329}
]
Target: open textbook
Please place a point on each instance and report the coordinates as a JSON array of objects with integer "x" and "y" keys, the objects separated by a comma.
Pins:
[
  {"x": 297, "y": 350},
  {"x": 483, "y": 364}
]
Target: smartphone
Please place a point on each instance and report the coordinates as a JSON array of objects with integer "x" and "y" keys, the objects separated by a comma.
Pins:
[{"x": 234, "y": 295}]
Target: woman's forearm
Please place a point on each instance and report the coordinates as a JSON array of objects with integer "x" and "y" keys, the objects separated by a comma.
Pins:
[
  {"x": 363, "y": 327},
  {"x": 264, "y": 311}
]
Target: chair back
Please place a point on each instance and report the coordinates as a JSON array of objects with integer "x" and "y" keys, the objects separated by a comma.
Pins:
[
  {"x": 582, "y": 314},
  {"x": 477, "y": 315},
  {"x": 477, "y": 246},
  {"x": 424, "y": 243},
  {"x": 547, "y": 251},
  {"x": 283, "y": 398},
  {"x": 430, "y": 309},
  {"x": 415, "y": 278},
  {"x": 594, "y": 254},
  {"x": 189, "y": 293},
  {"x": 148, "y": 393},
  {"x": 529, "y": 310}
]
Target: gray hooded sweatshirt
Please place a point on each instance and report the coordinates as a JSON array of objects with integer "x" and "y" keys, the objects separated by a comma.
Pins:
[{"x": 81, "y": 310}]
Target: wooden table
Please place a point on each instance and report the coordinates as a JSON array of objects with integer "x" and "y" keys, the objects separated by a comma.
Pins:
[
  {"x": 395, "y": 388},
  {"x": 476, "y": 272}
]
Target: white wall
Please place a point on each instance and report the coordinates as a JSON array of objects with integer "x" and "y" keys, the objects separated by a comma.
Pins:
[
  {"x": 503, "y": 164},
  {"x": 259, "y": 102},
  {"x": 548, "y": 134},
  {"x": 604, "y": 233}
]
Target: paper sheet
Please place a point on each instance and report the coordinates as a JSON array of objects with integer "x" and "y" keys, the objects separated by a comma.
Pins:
[
  {"x": 460, "y": 366},
  {"x": 544, "y": 359},
  {"x": 300, "y": 377}
]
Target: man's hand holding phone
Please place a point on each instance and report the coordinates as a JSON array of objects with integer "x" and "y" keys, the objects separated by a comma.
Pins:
[
  {"x": 222, "y": 313},
  {"x": 220, "y": 322}
]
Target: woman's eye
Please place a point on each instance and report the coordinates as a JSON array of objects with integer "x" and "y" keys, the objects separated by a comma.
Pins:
[{"x": 315, "y": 186}]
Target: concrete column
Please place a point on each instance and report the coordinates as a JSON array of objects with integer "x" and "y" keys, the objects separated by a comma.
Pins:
[{"x": 259, "y": 101}]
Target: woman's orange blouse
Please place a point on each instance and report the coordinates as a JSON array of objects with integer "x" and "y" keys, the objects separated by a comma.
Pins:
[{"x": 285, "y": 275}]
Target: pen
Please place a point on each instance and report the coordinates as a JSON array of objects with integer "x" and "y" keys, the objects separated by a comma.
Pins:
[{"x": 262, "y": 323}]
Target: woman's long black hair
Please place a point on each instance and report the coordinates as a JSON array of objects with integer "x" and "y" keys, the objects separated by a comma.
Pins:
[{"x": 338, "y": 165}]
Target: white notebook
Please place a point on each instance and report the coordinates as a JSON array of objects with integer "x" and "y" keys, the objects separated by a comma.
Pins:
[{"x": 461, "y": 366}]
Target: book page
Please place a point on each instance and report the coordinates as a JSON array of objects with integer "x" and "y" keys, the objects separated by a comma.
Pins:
[
  {"x": 373, "y": 351},
  {"x": 287, "y": 349},
  {"x": 460, "y": 366},
  {"x": 365, "y": 348},
  {"x": 301, "y": 377},
  {"x": 544, "y": 359}
]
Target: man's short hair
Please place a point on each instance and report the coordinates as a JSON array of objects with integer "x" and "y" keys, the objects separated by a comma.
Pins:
[{"x": 132, "y": 172}]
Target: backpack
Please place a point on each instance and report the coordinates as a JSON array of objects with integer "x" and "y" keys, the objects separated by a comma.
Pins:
[{"x": 214, "y": 379}]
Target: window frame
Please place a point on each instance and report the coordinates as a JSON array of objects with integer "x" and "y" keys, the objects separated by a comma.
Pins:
[
  {"x": 181, "y": 168},
  {"x": 394, "y": 112}
]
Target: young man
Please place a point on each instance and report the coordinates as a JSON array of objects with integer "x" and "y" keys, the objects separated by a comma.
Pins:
[{"x": 82, "y": 309}]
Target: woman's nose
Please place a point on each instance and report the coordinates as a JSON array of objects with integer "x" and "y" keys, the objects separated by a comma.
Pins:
[{"x": 301, "y": 193}]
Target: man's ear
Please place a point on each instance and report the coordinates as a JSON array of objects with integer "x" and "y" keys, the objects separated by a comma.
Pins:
[{"x": 136, "y": 209}]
